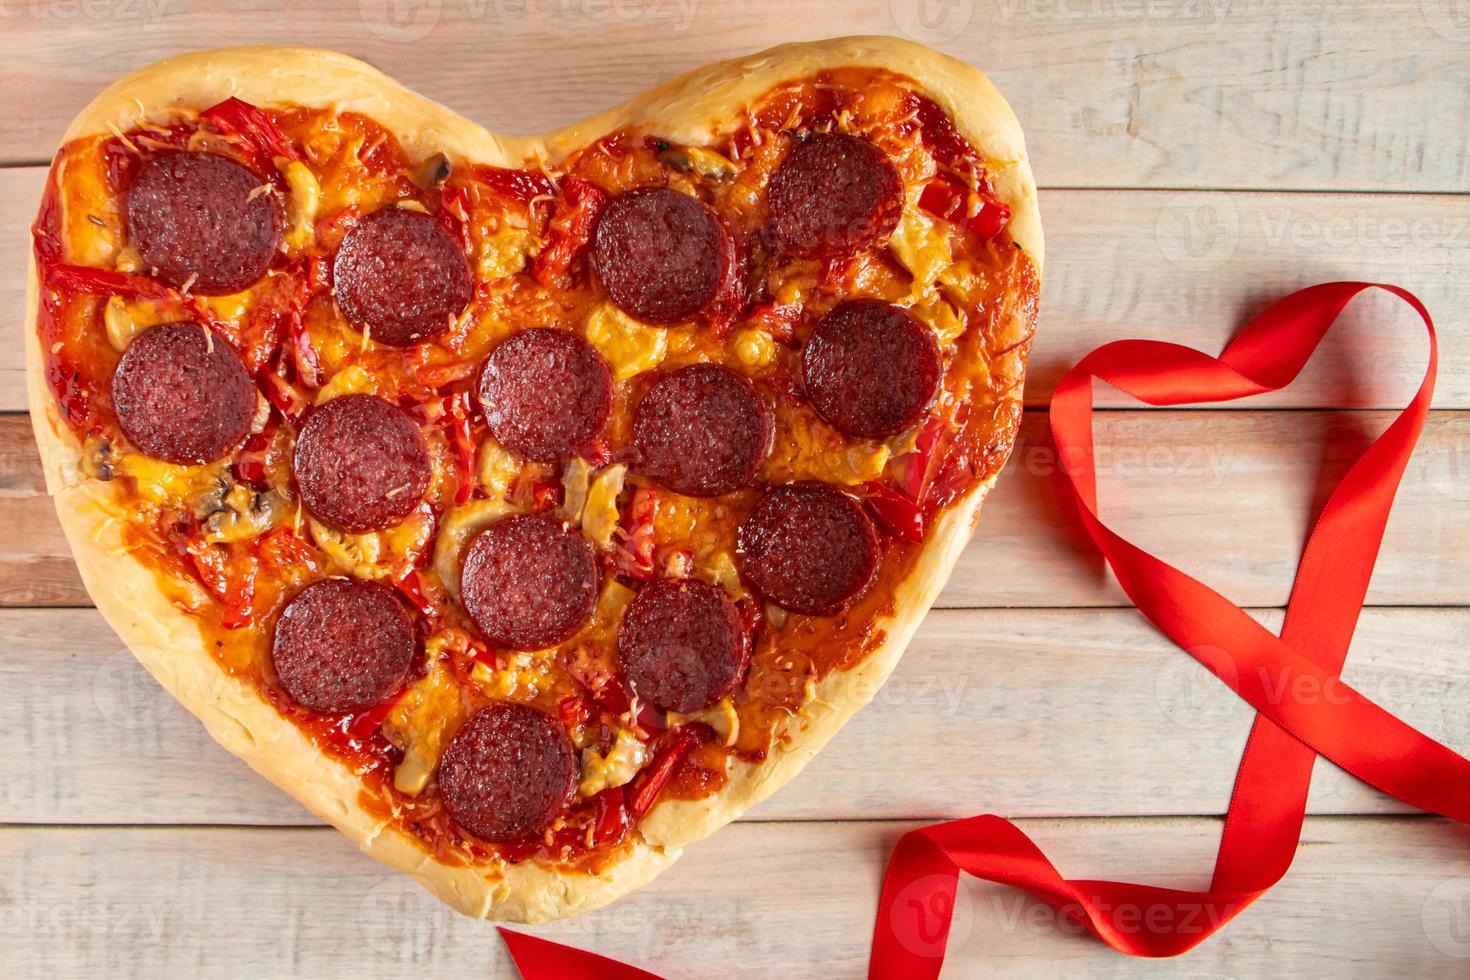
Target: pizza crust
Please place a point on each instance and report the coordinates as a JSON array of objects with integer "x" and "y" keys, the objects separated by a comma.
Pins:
[{"x": 168, "y": 642}]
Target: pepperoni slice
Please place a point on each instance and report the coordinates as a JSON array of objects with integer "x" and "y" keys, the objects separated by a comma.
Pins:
[
  {"x": 400, "y": 276},
  {"x": 682, "y": 644},
  {"x": 529, "y": 582},
  {"x": 203, "y": 220},
  {"x": 871, "y": 369},
  {"x": 702, "y": 431},
  {"x": 181, "y": 394},
  {"x": 361, "y": 464},
  {"x": 661, "y": 255},
  {"x": 546, "y": 394},
  {"x": 834, "y": 193},
  {"x": 508, "y": 773},
  {"x": 342, "y": 645},
  {"x": 808, "y": 547}
]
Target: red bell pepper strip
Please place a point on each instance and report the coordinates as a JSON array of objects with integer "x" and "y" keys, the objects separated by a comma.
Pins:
[
  {"x": 254, "y": 129},
  {"x": 412, "y": 588},
  {"x": 633, "y": 555},
  {"x": 291, "y": 401},
  {"x": 918, "y": 463},
  {"x": 521, "y": 186},
  {"x": 945, "y": 199},
  {"x": 463, "y": 440},
  {"x": 663, "y": 768},
  {"x": 362, "y": 725},
  {"x": 573, "y": 710},
  {"x": 232, "y": 582},
  {"x": 651, "y": 719},
  {"x": 577, "y": 210},
  {"x": 898, "y": 513},
  {"x": 454, "y": 215},
  {"x": 612, "y": 816},
  {"x": 105, "y": 282}
]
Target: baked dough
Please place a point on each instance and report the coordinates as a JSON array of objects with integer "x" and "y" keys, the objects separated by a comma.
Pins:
[{"x": 169, "y": 643}]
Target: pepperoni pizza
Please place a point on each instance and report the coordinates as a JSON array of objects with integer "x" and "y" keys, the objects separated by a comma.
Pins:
[{"x": 530, "y": 508}]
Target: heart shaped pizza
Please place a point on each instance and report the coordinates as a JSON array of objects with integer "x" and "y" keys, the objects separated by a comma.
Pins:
[{"x": 529, "y": 508}]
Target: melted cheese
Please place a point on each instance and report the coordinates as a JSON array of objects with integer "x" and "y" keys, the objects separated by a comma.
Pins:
[
  {"x": 163, "y": 483},
  {"x": 503, "y": 253},
  {"x": 600, "y": 514},
  {"x": 124, "y": 319},
  {"x": 754, "y": 347},
  {"x": 922, "y": 249},
  {"x": 627, "y": 755},
  {"x": 375, "y": 554},
  {"x": 455, "y": 530},
  {"x": 418, "y": 722},
  {"x": 304, "y": 200},
  {"x": 630, "y": 347},
  {"x": 721, "y": 716},
  {"x": 521, "y": 677},
  {"x": 351, "y": 380}
]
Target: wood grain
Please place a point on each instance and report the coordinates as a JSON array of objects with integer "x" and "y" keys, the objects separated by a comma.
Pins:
[
  {"x": 1226, "y": 495},
  {"x": 1190, "y": 268},
  {"x": 215, "y": 902},
  {"x": 1027, "y": 713},
  {"x": 1184, "y": 94}
]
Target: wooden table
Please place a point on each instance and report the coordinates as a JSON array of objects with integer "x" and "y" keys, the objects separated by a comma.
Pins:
[{"x": 1198, "y": 158}]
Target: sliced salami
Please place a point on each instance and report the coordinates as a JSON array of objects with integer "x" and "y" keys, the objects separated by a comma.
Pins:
[
  {"x": 181, "y": 394},
  {"x": 361, "y": 464},
  {"x": 808, "y": 547},
  {"x": 546, "y": 394},
  {"x": 834, "y": 193},
  {"x": 399, "y": 276},
  {"x": 342, "y": 645},
  {"x": 871, "y": 369},
  {"x": 203, "y": 221},
  {"x": 661, "y": 255},
  {"x": 529, "y": 582},
  {"x": 508, "y": 773},
  {"x": 702, "y": 431},
  {"x": 682, "y": 644}
]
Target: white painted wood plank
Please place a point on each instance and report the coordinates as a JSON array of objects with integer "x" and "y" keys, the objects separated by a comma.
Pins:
[
  {"x": 1226, "y": 495},
  {"x": 1178, "y": 94},
  {"x": 1367, "y": 898},
  {"x": 1189, "y": 268},
  {"x": 1027, "y": 713}
]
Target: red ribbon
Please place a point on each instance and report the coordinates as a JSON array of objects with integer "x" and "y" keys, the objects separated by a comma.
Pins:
[{"x": 1264, "y": 822}]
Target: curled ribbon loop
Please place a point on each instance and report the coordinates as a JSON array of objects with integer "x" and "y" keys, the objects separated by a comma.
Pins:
[{"x": 1268, "y": 806}]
